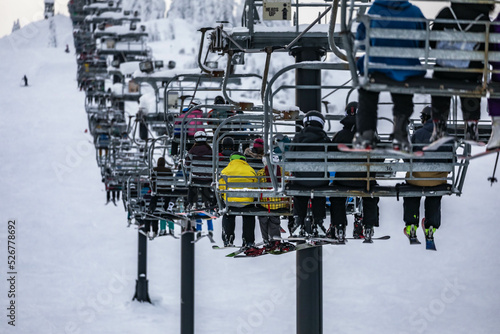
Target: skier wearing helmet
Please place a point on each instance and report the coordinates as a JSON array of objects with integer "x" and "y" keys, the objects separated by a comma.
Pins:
[
  {"x": 311, "y": 133},
  {"x": 363, "y": 225},
  {"x": 200, "y": 194}
]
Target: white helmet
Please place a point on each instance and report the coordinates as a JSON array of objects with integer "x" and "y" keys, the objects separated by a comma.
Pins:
[{"x": 200, "y": 136}]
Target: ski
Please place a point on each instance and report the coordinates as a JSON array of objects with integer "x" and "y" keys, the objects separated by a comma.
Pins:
[
  {"x": 429, "y": 244},
  {"x": 345, "y": 148},
  {"x": 429, "y": 241},
  {"x": 385, "y": 237},
  {"x": 198, "y": 238},
  {"x": 224, "y": 247},
  {"x": 438, "y": 143},
  {"x": 199, "y": 214},
  {"x": 211, "y": 238},
  {"x": 242, "y": 249},
  {"x": 443, "y": 140},
  {"x": 479, "y": 155}
]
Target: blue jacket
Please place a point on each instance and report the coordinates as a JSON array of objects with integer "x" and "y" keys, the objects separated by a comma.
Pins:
[
  {"x": 394, "y": 9},
  {"x": 423, "y": 135}
]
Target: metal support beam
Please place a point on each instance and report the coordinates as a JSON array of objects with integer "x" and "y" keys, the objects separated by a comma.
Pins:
[
  {"x": 309, "y": 262},
  {"x": 187, "y": 280},
  {"x": 309, "y": 277},
  {"x": 141, "y": 284},
  {"x": 308, "y": 99}
]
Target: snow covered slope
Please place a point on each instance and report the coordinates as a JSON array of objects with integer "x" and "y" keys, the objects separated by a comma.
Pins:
[{"x": 77, "y": 261}]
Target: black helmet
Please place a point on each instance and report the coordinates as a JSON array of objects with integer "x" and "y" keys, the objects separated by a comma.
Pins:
[
  {"x": 427, "y": 111},
  {"x": 426, "y": 114},
  {"x": 314, "y": 118},
  {"x": 351, "y": 108},
  {"x": 228, "y": 143},
  {"x": 219, "y": 100}
]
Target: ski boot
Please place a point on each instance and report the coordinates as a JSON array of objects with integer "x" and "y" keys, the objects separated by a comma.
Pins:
[
  {"x": 368, "y": 234},
  {"x": 400, "y": 139},
  {"x": 365, "y": 140},
  {"x": 357, "y": 232},
  {"x": 228, "y": 240},
  {"x": 411, "y": 232},
  {"x": 340, "y": 233},
  {"x": 472, "y": 130},
  {"x": 298, "y": 222},
  {"x": 317, "y": 224},
  {"x": 330, "y": 233},
  {"x": 152, "y": 235}
]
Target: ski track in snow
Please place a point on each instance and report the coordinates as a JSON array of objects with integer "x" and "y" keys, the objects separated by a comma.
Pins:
[{"x": 77, "y": 260}]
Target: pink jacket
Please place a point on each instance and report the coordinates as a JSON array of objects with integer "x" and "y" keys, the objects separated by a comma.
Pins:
[{"x": 194, "y": 125}]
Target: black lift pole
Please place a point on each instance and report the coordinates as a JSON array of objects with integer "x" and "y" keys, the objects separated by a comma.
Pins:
[
  {"x": 309, "y": 261},
  {"x": 187, "y": 279},
  {"x": 141, "y": 284}
]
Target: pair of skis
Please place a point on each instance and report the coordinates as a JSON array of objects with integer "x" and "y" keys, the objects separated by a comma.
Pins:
[
  {"x": 429, "y": 240},
  {"x": 431, "y": 147},
  {"x": 302, "y": 243}
]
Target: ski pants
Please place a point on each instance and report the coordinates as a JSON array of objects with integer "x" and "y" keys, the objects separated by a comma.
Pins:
[
  {"x": 432, "y": 208},
  {"x": 318, "y": 205},
  {"x": 205, "y": 194},
  {"x": 147, "y": 224},
  {"x": 366, "y": 118},
  {"x": 370, "y": 211},
  {"x": 199, "y": 225},
  {"x": 154, "y": 202},
  {"x": 270, "y": 227},
  {"x": 228, "y": 226},
  {"x": 471, "y": 107}
]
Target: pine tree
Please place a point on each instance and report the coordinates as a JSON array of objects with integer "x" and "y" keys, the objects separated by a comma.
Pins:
[{"x": 16, "y": 25}]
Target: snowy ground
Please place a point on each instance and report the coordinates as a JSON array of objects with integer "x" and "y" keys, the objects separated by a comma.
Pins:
[{"x": 77, "y": 261}]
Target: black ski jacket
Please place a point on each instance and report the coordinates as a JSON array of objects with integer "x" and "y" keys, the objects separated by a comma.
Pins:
[{"x": 312, "y": 135}]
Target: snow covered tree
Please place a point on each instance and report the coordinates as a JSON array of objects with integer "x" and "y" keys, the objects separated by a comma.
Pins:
[
  {"x": 206, "y": 13},
  {"x": 148, "y": 9},
  {"x": 16, "y": 25}
]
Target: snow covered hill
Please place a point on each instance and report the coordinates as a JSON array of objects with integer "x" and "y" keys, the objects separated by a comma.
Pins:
[{"x": 76, "y": 261}]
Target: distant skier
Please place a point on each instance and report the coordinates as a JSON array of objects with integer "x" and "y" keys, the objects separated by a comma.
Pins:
[
  {"x": 25, "y": 79},
  {"x": 67, "y": 48}
]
